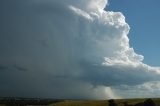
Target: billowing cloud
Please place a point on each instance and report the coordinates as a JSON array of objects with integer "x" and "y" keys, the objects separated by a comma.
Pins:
[
  {"x": 148, "y": 89},
  {"x": 69, "y": 49}
]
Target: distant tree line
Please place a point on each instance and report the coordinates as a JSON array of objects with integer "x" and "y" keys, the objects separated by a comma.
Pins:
[
  {"x": 148, "y": 102},
  {"x": 26, "y": 101}
]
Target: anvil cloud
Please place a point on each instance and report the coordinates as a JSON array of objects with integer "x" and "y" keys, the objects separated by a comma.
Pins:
[{"x": 69, "y": 49}]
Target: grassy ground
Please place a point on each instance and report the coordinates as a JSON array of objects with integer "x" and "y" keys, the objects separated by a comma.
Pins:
[
  {"x": 81, "y": 103},
  {"x": 100, "y": 102},
  {"x": 120, "y": 102}
]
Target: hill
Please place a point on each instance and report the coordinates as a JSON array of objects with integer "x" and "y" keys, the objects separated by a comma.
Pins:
[{"x": 119, "y": 102}]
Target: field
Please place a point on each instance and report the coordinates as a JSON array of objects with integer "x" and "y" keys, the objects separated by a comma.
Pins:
[
  {"x": 119, "y": 102},
  {"x": 50, "y": 102}
]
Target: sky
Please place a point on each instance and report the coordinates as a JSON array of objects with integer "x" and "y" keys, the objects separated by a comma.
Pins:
[
  {"x": 142, "y": 16},
  {"x": 74, "y": 50}
]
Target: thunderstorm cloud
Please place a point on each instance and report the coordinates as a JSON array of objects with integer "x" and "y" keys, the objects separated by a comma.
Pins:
[{"x": 70, "y": 49}]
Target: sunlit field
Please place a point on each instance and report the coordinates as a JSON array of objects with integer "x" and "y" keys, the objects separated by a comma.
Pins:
[{"x": 119, "y": 102}]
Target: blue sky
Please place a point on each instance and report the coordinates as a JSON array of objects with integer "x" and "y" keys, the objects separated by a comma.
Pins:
[{"x": 143, "y": 17}]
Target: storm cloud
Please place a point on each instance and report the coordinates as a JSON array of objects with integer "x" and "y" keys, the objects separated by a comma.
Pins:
[{"x": 69, "y": 49}]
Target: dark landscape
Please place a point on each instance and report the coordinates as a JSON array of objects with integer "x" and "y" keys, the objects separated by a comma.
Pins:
[{"x": 60, "y": 102}]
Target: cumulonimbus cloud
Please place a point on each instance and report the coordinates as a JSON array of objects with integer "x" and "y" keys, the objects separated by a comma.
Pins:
[{"x": 68, "y": 49}]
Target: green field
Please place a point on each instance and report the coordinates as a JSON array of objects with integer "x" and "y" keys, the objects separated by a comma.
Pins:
[
  {"x": 54, "y": 102},
  {"x": 120, "y": 102}
]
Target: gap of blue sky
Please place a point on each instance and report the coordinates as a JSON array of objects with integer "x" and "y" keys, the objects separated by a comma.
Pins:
[{"x": 143, "y": 17}]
